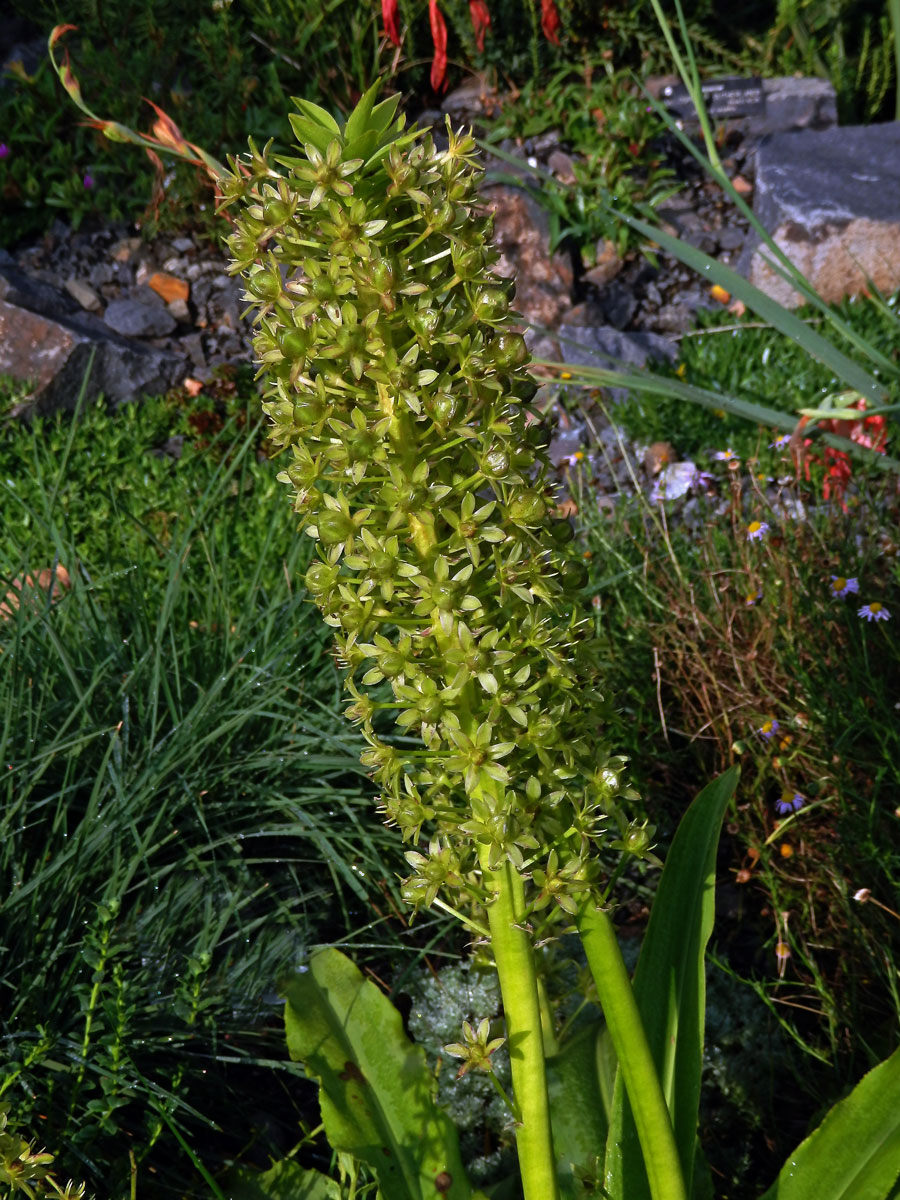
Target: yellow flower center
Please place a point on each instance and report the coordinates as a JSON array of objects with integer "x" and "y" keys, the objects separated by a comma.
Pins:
[
  {"x": 875, "y": 606},
  {"x": 839, "y": 584}
]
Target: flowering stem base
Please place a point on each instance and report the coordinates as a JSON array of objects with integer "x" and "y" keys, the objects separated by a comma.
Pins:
[
  {"x": 514, "y": 956},
  {"x": 651, "y": 1115}
]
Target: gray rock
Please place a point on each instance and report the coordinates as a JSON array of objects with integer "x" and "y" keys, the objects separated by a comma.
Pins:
[
  {"x": 829, "y": 200},
  {"x": 795, "y": 104},
  {"x": 47, "y": 339},
  {"x": 730, "y": 238},
  {"x": 619, "y": 304},
  {"x": 193, "y": 344},
  {"x": 85, "y": 296},
  {"x": 24, "y": 291},
  {"x": 603, "y": 346},
  {"x": 133, "y": 318},
  {"x": 179, "y": 310},
  {"x": 611, "y": 349},
  {"x": 102, "y": 273},
  {"x": 788, "y": 103}
]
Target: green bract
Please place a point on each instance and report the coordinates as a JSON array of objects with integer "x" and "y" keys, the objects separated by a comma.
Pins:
[{"x": 397, "y": 383}]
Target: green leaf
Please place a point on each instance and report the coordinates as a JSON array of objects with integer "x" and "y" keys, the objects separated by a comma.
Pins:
[
  {"x": 359, "y": 121},
  {"x": 580, "y": 1082},
  {"x": 375, "y": 1090},
  {"x": 767, "y": 308},
  {"x": 648, "y": 384},
  {"x": 308, "y": 131},
  {"x": 318, "y": 115},
  {"x": 670, "y": 989},
  {"x": 284, "y": 1180},
  {"x": 855, "y": 1153}
]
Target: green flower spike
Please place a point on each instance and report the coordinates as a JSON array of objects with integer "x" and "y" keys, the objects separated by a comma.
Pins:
[
  {"x": 398, "y": 387},
  {"x": 396, "y": 384}
]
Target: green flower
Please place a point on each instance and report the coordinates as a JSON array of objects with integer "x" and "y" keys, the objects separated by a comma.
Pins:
[{"x": 394, "y": 377}]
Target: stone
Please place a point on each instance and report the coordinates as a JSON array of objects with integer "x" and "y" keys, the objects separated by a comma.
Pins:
[
  {"x": 179, "y": 310},
  {"x": 169, "y": 287},
  {"x": 132, "y": 318},
  {"x": 125, "y": 249},
  {"x": 35, "y": 590},
  {"x": 788, "y": 103},
  {"x": 521, "y": 234},
  {"x": 562, "y": 166},
  {"x": 608, "y": 348},
  {"x": 730, "y": 238},
  {"x": 24, "y": 291},
  {"x": 619, "y": 304},
  {"x": 829, "y": 201},
  {"x": 476, "y": 95},
  {"x": 607, "y": 263},
  {"x": 83, "y": 294},
  {"x": 46, "y": 339}
]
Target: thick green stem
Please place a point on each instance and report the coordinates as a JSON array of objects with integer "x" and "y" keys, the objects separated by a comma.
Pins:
[
  {"x": 651, "y": 1116},
  {"x": 514, "y": 956}
]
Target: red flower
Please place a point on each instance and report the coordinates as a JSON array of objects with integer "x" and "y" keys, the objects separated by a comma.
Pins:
[
  {"x": 389, "y": 16},
  {"x": 439, "y": 37},
  {"x": 481, "y": 21},
  {"x": 550, "y": 21}
]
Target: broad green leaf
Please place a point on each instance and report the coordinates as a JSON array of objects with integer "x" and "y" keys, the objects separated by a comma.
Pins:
[
  {"x": 284, "y": 1180},
  {"x": 308, "y": 131},
  {"x": 375, "y": 1089},
  {"x": 767, "y": 308},
  {"x": 383, "y": 113},
  {"x": 580, "y": 1082},
  {"x": 318, "y": 115},
  {"x": 855, "y": 1153},
  {"x": 359, "y": 121},
  {"x": 670, "y": 989}
]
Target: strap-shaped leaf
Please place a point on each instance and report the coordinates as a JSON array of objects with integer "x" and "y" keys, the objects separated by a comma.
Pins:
[
  {"x": 767, "y": 308},
  {"x": 580, "y": 1082},
  {"x": 855, "y": 1153},
  {"x": 670, "y": 989},
  {"x": 375, "y": 1090}
]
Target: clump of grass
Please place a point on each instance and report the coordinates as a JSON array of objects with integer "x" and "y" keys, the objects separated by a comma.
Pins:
[
  {"x": 743, "y": 357},
  {"x": 184, "y": 812},
  {"x": 737, "y": 648},
  {"x": 731, "y": 603}
]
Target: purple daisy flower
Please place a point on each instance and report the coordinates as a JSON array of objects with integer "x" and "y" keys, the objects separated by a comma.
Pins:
[
  {"x": 756, "y": 531},
  {"x": 790, "y": 802},
  {"x": 843, "y": 585},
  {"x": 874, "y": 612}
]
